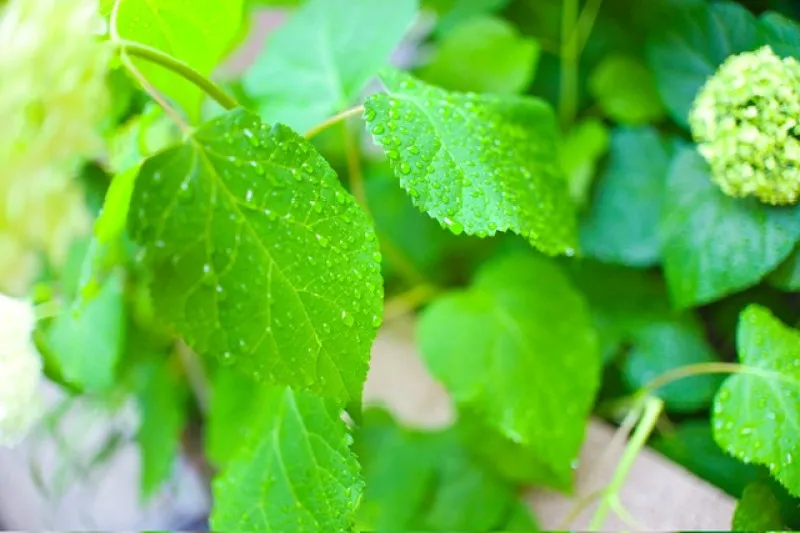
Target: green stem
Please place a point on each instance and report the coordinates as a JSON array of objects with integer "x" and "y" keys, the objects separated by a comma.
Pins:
[
  {"x": 177, "y": 66},
  {"x": 695, "y": 370},
  {"x": 327, "y": 123},
  {"x": 652, "y": 410},
  {"x": 47, "y": 310},
  {"x": 586, "y": 23},
  {"x": 568, "y": 97}
]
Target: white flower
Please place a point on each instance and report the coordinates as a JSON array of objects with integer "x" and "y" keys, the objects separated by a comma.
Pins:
[
  {"x": 52, "y": 98},
  {"x": 20, "y": 371}
]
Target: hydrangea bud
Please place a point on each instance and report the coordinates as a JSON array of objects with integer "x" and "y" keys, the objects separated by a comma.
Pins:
[
  {"x": 20, "y": 371},
  {"x": 745, "y": 121},
  {"x": 52, "y": 98}
]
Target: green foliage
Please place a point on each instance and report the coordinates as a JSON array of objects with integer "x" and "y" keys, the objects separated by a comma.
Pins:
[
  {"x": 200, "y": 37},
  {"x": 317, "y": 63},
  {"x": 715, "y": 245},
  {"x": 477, "y": 164},
  {"x": 296, "y": 473},
  {"x": 500, "y": 363},
  {"x": 202, "y": 257},
  {"x": 427, "y": 481},
  {"x": 756, "y": 412},
  {"x": 227, "y": 219},
  {"x": 622, "y": 226},
  {"x": 484, "y": 54}
]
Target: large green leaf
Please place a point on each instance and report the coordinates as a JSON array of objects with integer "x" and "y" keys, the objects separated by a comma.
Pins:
[
  {"x": 691, "y": 43},
  {"x": 429, "y": 482},
  {"x": 626, "y": 90},
  {"x": 667, "y": 344},
  {"x": 757, "y": 412},
  {"x": 758, "y": 510},
  {"x": 259, "y": 256},
  {"x": 713, "y": 244},
  {"x": 162, "y": 396},
  {"x": 484, "y": 54},
  {"x": 316, "y": 63},
  {"x": 782, "y": 34},
  {"x": 199, "y": 34},
  {"x": 87, "y": 339},
  {"x": 476, "y": 163},
  {"x": 295, "y": 473},
  {"x": 622, "y": 225},
  {"x": 525, "y": 356}
]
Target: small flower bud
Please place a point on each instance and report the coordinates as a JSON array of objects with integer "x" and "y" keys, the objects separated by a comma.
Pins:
[
  {"x": 745, "y": 121},
  {"x": 20, "y": 371}
]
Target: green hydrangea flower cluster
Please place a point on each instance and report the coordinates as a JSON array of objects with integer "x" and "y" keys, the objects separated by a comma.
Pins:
[{"x": 745, "y": 121}]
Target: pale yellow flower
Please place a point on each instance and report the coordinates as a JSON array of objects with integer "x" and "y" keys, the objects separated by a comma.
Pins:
[{"x": 21, "y": 403}]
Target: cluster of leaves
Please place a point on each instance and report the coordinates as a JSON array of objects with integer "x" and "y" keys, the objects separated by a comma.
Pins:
[{"x": 230, "y": 260}]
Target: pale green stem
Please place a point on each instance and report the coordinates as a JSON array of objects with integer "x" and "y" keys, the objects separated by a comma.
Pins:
[{"x": 327, "y": 123}]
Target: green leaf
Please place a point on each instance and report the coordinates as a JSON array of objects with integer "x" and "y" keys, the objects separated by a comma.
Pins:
[
  {"x": 427, "y": 481},
  {"x": 787, "y": 276},
  {"x": 511, "y": 461},
  {"x": 781, "y": 34},
  {"x": 581, "y": 150},
  {"x": 715, "y": 245},
  {"x": 758, "y": 510},
  {"x": 621, "y": 300},
  {"x": 200, "y": 35},
  {"x": 525, "y": 357},
  {"x": 162, "y": 398},
  {"x": 476, "y": 163},
  {"x": 692, "y": 446},
  {"x": 757, "y": 412},
  {"x": 140, "y": 137},
  {"x": 296, "y": 473},
  {"x": 691, "y": 43},
  {"x": 622, "y": 225},
  {"x": 664, "y": 345},
  {"x": 453, "y": 13},
  {"x": 86, "y": 340},
  {"x": 626, "y": 91},
  {"x": 259, "y": 256},
  {"x": 484, "y": 54},
  {"x": 316, "y": 63}
]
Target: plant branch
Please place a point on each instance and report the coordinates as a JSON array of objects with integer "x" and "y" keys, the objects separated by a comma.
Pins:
[
  {"x": 327, "y": 123},
  {"x": 177, "y": 66},
  {"x": 408, "y": 301},
  {"x": 568, "y": 95},
  {"x": 354, "y": 173},
  {"x": 693, "y": 370},
  {"x": 586, "y": 23},
  {"x": 652, "y": 410}
]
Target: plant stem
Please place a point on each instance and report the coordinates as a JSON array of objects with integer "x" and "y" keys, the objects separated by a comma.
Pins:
[
  {"x": 354, "y": 172},
  {"x": 693, "y": 370},
  {"x": 408, "y": 301},
  {"x": 177, "y": 66},
  {"x": 586, "y": 23},
  {"x": 652, "y": 410},
  {"x": 568, "y": 97},
  {"x": 327, "y": 123},
  {"x": 47, "y": 310},
  {"x": 195, "y": 376}
]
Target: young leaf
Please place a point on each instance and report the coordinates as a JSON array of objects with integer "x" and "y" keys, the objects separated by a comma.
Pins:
[
  {"x": 428, "y": 482},
  {"x": 787, "y": 276},
  {"x": 580, "y": 150},
  {"x": 476, "y": 163},
  {"x": 664, "y": 345},
  {"x": 713, "y": 244},
  {"x": 758, "y": 510},
  {"x": 259, "y": 256},
  {"x": 622, "y": 224},
  {"x": 316, "y": 63},
  {"x": 626, "y": 91},
  {"x": 86, "y": 340},
  {"x": 691, "y": 43},
  {"x": 525, "y": 358},
  {"x": 296, "y": 473},
  {"x": 757, "y": 412},
  {"x": 484, "y": 54},
  {"x": 162, "y": 399},
  {"x": 199, "y": 34}
]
